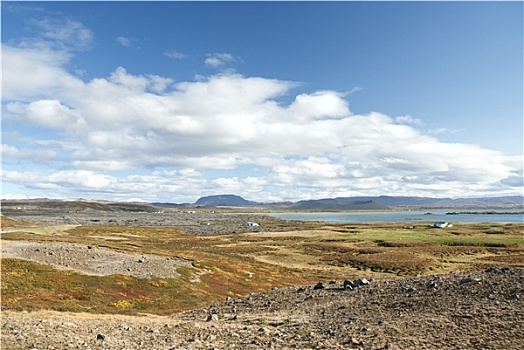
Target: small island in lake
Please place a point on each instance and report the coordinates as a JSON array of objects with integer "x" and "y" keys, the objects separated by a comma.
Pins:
[{"x": 492, "y": 212}]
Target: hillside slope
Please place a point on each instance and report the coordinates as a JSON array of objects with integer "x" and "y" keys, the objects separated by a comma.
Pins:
[{"x": 481, "y": 310}]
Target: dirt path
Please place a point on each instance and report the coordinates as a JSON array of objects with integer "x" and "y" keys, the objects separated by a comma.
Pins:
[{"x": 94, "y": 260}]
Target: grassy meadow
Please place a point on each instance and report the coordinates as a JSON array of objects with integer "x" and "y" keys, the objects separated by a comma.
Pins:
[{"x": 242, "y": 263}]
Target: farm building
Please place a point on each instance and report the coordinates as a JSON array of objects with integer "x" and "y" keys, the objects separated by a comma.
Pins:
[{"x": 441, "y": 224}]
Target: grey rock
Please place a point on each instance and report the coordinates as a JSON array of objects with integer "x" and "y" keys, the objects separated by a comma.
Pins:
[
  {"x": 348, "y": 284},
  {"x": 360, "y": 282},
  {"x": 319, "y": 285},
  {"x": 494, "y": 269},
  {"x": 469, "y": 280},
  {"x": 432, "y": 285},
  {"x": 212, "y": 317}
]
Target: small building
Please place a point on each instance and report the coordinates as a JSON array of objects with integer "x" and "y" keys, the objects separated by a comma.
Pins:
[
  {"x": 251, "y": 223},
  {"x": 441, "y": 224}
]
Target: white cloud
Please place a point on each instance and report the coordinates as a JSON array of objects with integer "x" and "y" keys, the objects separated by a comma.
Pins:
[
  {"x": 67, "y": 34},
  {"x": 314, "y": 146},
  {"x": 45, "y": 113},
  {"x": 124, "y": 41},
  {"x": 32, "y": 72},
  {"x": 319, "y": 105},
  {"x": 175, "y": 54},
  {"x": 177, "y": 186},
  {"x": 441, "y": 131},
  {"x": 35, "y": 155},
  {"x": 14, "y": 196},
  {"x": 407, "y": 119},
  {"x": 217, "y": 60},
  {"x": 158, "y": 84},
  {"x": 120, "y": 77}
]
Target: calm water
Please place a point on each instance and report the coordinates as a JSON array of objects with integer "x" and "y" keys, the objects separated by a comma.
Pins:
[{"x": 402, "y": 216}]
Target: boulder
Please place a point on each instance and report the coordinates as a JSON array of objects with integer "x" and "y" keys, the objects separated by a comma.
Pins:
[
  {"x": 469, "y": 280},
  {"x": 212, "y": 317},
  {"x": 319, "y": 285},
  {"x": 360, "y": 282},
  {"x": 348, "y": 284}
]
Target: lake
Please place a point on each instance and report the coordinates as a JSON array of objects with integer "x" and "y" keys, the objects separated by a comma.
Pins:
[{"x": 363, "y": 217}]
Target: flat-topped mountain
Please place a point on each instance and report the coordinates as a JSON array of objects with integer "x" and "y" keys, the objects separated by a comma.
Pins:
[{"x": 227, "y": 200}]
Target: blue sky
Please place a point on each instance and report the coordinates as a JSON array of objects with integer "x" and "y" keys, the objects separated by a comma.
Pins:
[{"x": 169, "y": 101}]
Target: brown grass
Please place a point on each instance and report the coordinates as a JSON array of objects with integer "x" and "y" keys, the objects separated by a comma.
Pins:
[
  {"x": 6, "y": 222},
  {"x": 239, "y": 264}
]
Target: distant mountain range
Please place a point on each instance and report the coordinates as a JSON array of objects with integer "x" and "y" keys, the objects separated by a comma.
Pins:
[
  {"x": 233, "y": 201},
  {"x": 388, "y": 202},
  {"x": 368, "y": 203}
]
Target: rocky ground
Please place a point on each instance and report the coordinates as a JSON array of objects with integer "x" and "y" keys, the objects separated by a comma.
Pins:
[
  {"x": 482, "y": 310},
  {"x": 201, "y": 222},
  {"x": 94, "y": 260}
]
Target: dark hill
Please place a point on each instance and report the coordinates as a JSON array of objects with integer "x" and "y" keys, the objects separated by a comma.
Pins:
[
  {"x": 43, "y": 205},
  {"x": 385, "y": 202},
  {"x": 224, "y": 200},
  {"x": 339, "y": 204}
]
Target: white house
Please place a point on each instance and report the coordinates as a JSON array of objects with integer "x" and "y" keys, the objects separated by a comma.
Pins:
[{"x": 441, "y": 224}]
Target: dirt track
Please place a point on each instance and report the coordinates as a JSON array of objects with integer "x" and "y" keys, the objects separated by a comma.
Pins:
[{"x": 455, "y": 311}]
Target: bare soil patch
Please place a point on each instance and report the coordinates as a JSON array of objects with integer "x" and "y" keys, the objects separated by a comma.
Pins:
[{"x": 94, "y": 260}]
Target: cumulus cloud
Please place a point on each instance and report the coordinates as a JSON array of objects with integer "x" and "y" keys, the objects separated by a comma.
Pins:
[
  {"x": 311, "y": 147},
  {"x": 35, "y": 155},
  {"x": 35, "y": 71},
  {"x": 45, "y": 113},
  {"x": 217, "y": 60},
  {"x": 321, "y": 104},
  {"x": 176, "y": 186},
  {"x": 407, "y": 119}
]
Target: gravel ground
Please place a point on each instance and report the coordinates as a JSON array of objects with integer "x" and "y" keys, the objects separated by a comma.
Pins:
[
  {"x": 94, "y": 260},
  {"x": 203, "y": 222},
  {"x": 482, "y": 310}
]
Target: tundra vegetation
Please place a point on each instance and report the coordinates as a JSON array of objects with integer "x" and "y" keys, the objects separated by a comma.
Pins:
[{"x": 236, "y": 264}]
